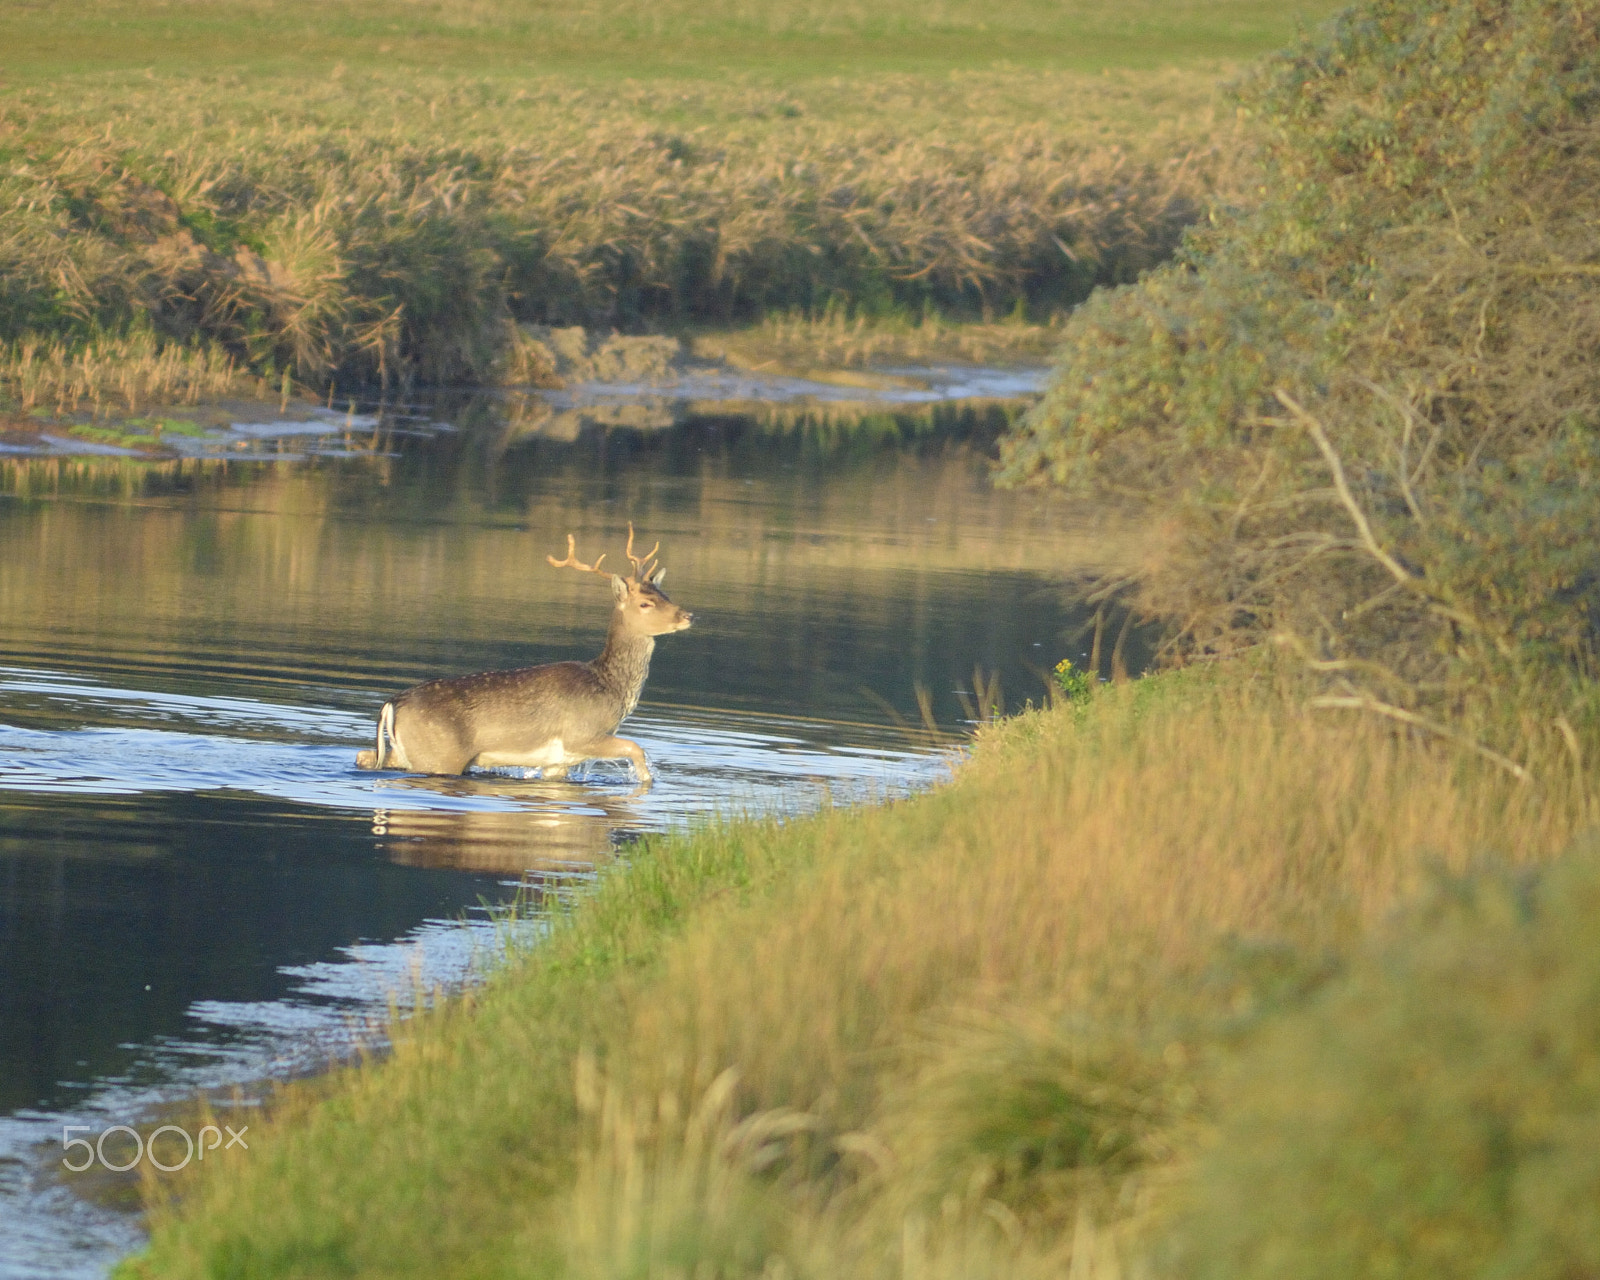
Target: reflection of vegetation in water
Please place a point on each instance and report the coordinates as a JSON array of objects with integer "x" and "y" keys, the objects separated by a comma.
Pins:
[
  {"x": 820, "y": 562},
  {"x": 837, "y": 429},
  {"x": 847, "y": 429}
]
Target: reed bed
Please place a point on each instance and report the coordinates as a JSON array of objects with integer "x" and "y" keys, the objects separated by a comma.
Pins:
[
  {"x": 381, "y": 230},
  {"x": 975, "y": 1033},
  {"x": 119, "y": 374}
]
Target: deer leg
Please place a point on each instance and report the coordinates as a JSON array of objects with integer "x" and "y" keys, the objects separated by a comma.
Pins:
[{"x": 622, "y": 749}]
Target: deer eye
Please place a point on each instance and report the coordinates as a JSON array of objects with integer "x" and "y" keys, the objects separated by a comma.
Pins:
[{"x": 645, "y": 604}]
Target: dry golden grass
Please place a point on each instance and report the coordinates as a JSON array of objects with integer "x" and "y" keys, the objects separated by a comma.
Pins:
[
  {"x": 966, "y": 1034},
  {"x": 800, "y": 343},
  {"x": 119, "y": 375},
  {"x": 382, "y": 228}
]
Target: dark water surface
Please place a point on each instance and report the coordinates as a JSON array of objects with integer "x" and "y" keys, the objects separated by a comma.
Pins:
[{"x": 197, "y": 889}]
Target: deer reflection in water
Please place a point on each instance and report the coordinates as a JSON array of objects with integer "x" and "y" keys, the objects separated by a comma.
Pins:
[{"x": 546, "y": 832}]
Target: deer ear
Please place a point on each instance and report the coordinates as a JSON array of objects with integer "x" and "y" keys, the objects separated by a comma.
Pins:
[
  {"x": 658, "y": 577},
  {"x": 619, "y": 589}
]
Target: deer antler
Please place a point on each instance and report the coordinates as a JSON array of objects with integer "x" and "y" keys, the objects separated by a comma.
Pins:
[
  {"x": 572, "y": 561},
  {"x": 641, "y": 567}
]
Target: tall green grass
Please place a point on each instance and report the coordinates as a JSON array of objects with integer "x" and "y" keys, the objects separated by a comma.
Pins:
[
  {"x": 974, "y": 1033},
  {"x": 1435, "y": 1113}
]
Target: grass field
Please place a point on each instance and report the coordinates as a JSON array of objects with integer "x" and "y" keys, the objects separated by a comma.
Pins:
[
  {"x": 630, "y": 39},
  {"x": 368, "y": 194}
]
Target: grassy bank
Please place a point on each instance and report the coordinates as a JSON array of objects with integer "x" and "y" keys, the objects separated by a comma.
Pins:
[
  {"x": 992, "y": 1030},
  {"x": 198, "y": 195}
]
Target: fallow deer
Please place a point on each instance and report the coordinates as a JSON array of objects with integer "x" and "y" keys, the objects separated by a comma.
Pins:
[{"x": 550, "y": 717}]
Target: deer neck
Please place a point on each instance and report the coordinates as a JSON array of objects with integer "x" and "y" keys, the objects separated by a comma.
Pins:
[{"x": 624, "y": 663}]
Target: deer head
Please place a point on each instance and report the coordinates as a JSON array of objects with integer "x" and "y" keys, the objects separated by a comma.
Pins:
[{"x": 642, "y": 606}]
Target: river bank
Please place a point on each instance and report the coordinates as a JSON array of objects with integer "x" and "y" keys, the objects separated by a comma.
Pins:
[
  {"x": 786, "y": 374},
  {"x": 980, "y": 1031},
  {"x": 192, "y": 650}
]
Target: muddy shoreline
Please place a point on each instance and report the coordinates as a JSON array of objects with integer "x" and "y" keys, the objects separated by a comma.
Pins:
[{"x": 368, "y": 422}]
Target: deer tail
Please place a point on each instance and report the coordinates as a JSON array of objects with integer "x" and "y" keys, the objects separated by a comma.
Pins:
[{"x": 385, "y": 736}]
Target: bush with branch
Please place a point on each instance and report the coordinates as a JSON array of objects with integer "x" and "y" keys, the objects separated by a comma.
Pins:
[{"x": 1370, "y": 402}]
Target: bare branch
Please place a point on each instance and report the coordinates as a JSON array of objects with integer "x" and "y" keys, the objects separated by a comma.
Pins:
[
  {"x": 1391, "y": 712},
  {"x": 1290, "y": 640},
  {"x": 1107, "y": 590},
  {"x": 1368, "y": 538},
  {"x": 1255, "y": 488},
  {"x": 1372, "y": 602},
  {"x": 1409, "y": 418},
  {"x": 1558, "y": 269}
]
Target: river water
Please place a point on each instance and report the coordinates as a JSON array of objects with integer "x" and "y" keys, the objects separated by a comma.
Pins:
[{"x": 198, "y": 890}]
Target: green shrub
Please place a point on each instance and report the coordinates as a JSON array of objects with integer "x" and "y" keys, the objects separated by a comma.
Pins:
[
  {"x": 1368, "y": 404},
  {"x": 1435, "y": 1113},
  {"x": 1050, "y": 1118},
  {"x": 1073, "y": 683}
]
